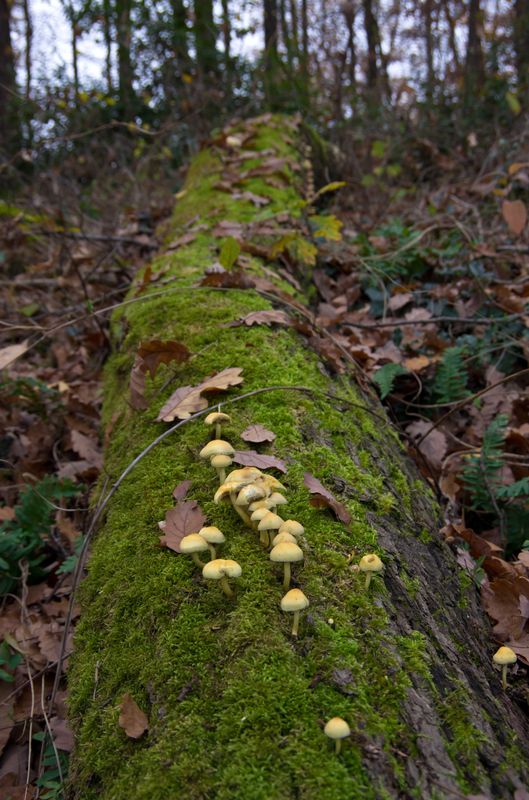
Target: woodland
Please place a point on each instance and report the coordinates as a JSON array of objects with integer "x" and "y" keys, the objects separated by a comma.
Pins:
[{"x": 264, "y": 400}]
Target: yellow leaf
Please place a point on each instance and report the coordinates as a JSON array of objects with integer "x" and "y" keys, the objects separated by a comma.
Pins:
[
  {"x": 330, "y": 187},
  {"x": 327, "y": 227},
  {"x": 417, "y": 363},
  {"x": 187, "y": 78}
]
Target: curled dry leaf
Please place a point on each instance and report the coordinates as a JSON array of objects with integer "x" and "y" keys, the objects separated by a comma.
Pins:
[
  {"x": 270, "y": 317},
  {"x": 187, "y": 400},
  {"x": 257, "y": 434},
  {"x": 322, "y": 498},
  {"x": 249, "y": 458},
  {"x": 180, "y": 521},
  {"x": 131, "y": 718}
]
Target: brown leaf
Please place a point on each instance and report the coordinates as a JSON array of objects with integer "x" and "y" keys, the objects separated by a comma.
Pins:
[
  {"x": 158, "y": 352},
  {"x": 6, "y": 716},
  {"x": 256, "y": 199},
  {"x": 400, "y": 300},
  {"x": 257, "y": 434},
  {"x": 249, "y": 458},
  {"x": 322, "y": 498},
  {"x": 86, "y": 447},
  {"x": 515, "y": 215},
  {"x": 12, "y": 352},
  {"x": 187, "y": 400},
  {"x": 131, "y": 718},
  {"x": 270, "y": 317},
  {"x": 62, "y": 734},
  {"x": 417, "y": 363},
  {"x": 180, "y": 521},
  {"x": 228, "y": 228},
  {"x": 232, "y": 279},
  {"x": 7, "y": 513},
  {"x": 435, "y": 445},
  {"x": 180, "y": 491}
]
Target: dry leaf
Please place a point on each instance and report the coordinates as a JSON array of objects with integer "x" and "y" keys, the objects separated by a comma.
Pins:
[
  {"x": 149, "y": 357},
  {"x": 515, "y": 215},
  {"x": 12, "y": 352},
  {"x": 257, "y": 434},
  {"x": 187, "y": 400},
  {"x": 7, "y": 513},
  {"x": 249, "y": 458},
  {"x": 271, "y": 317},
  {"x": 322, "y": 498},
  {"x": 435, "y": 445},
  {"x": 180, "y": 491},
  {"x": 86, "y": 447},
  {"x": 417, "y": 363},
  {"x": 131, "y": 718},
  {"x": 232, "y": 279},
  {"x": 180, "y": 521},
  {"x": 62, "y": 734}
]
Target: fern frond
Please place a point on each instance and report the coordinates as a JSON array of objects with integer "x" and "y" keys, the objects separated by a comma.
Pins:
[{"x": 450, "y": 384}]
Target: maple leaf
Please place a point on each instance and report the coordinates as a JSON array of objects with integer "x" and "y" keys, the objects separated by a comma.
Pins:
[
  {"x": 322, "y": 498},
  {"x": 187, "y": 400},
  {"x": 249, "y": 458},
  {"x": 257, "y": 434},
  {"x": 131, "y": 718},
  {"x": 185, "y": 518}
]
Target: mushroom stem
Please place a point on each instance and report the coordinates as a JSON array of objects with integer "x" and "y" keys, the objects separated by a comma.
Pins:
[
  {"x": 368, "y": 580},
  {"x": 286, "y": 575},
  {"x": 504, "y": 676},
  {"x": 264, "y": 538},
  {"x": 240, "y": 511},
  {"x": 221, "y": 472},
  {"x": 337, "y": 746},
  {"x": 212, "y": 551},
  {"x": 196, "y": 559},
  {"x": 218, "y": 432},
  {"x": 226, "y": 588},
  {"x": 295, "y": 624}
]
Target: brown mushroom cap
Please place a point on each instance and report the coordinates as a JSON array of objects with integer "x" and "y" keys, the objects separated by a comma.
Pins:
[
  {"x": 337, "y": 728},
  {"x": 504, "y": 656},
  {"x": 224, "y": 490},
  {"x": 217, "y": 447},
  {"x": 294, "y": 600},
  {"x": 270, "y": 522},
  {"x": 194, "y": 543},
  {"x": 217, "y": 416},
  {"x": 293, "y": 527},
  {"x": 286, "y": 552}
]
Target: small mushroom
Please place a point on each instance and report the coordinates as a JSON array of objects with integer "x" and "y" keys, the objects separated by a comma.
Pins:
[
  {"x": 295, "y": 601},
  {"x": 217, "y": 447},
  {"x": 337, "y": 729},
  {"x": 213, "y": 536},
  {"x": 220, "y": 463},
  {"x": 293, "y": 527},
  {"x": 241, "y": 477},
  {"x": 286, "y": 553},
  {"x": 276, "y": 500},
  {"x": 283, "y": 537},
  {"x": 503, "y": 657},
  {"x": 217, "y": 418},
  {"x": 370, "y": 564},
  {"x": 249, "y": 493},
  {"x": 270, "y": 522},
  {"x": 192, "y": 545},
  {"x": 258, "y": 514},
  {"x": 220, "y": 570}
]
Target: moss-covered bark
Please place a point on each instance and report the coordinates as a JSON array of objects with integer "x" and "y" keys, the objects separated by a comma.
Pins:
[{"x": 235, "y": 705}]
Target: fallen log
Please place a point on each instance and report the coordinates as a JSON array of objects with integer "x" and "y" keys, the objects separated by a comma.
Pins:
[{"x": 232, "y": 705}]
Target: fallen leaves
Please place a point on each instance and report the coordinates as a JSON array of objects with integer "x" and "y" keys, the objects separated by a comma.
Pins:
[
  {"x": 12, "y": 352},
  {"x": 249, "y": 458},
  {"x": 185, "y": 518},
  {"x": 515, "y": 215},
  {"x": 149, "y": 357},
  {"x": 322, "y": 498},
  {"x": 187, "y": 400},
  {"x": 267, "y": 317},
  {"x": 257, "y": 434},
  {"x": 131, "y": 718}
]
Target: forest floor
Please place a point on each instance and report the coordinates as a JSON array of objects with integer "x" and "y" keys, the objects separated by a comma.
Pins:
[{"x": 418, "y": 271}]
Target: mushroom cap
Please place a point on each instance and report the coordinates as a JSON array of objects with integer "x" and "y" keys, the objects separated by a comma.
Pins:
[
  {"x": 277, "y": 499},
  {"x": 270, "y": 522},
  {"x": 243, "y": 476},
  {"x": 337, "y": 728},
  {"x": 224, "y": 490},
  {"x": 272, "y": 483},
  {"x": 217, "y": 416},
  {"x": 219, "y": 567},
  {"x": 258, "y": 514},
  {"x": 194, "y": 543},
  {"x": 284, "y": 537},
  {"x": 249, "y": 493},
  {"x": 504, "y": 656},
  {"x": 217, "y": 447},
  {"x": 212, "y": 535},
  {"x": 371, "y": 563},
  {"x": 258, "y": 504},
  {"x": 293, "y": 527},
  {"x": 286, "y": 551},
  {"x": 221, "y": 462},
  {"x": 294, "y": 600}
]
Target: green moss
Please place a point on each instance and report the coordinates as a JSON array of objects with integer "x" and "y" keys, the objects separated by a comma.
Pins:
[
  {"x": 235, "y": 705},
  {"x": 412, "y": 585},
  {"x": 425, "y": 536},
  {"x": 464, "y": 739}
]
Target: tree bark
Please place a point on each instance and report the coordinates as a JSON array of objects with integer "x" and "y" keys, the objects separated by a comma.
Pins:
[
  {"x": 521, "y": 47},
  {"x": 205, "y": 37},
  {"x": 125, "y": 71},
  {"x": 270, "y": 57},
  {"x": 235, "y": 704},
  {"x": 9, "y": 131},
  {"x": 475, "y": 66}
]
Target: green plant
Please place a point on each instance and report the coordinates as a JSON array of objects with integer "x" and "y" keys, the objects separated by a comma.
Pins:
[
  {"x": 54, "y": 769},
  {"x": 385, "y": 378},
  {"x": 23, "y": 538},
  {"x": 8, "y": 662},
  {"x": 450, "y": 383}
]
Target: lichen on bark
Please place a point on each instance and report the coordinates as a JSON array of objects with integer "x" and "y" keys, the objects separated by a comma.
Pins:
[{"x": 236, "y": 705}]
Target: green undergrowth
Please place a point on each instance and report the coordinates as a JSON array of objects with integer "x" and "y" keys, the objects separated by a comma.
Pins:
[{"x": 235, "y": 706}]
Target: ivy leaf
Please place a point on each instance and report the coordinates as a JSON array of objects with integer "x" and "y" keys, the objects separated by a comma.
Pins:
[{"x": 385, "y": 377}]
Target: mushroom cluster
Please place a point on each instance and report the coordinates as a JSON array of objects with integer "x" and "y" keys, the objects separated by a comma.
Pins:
[{"x": 216, "y": 568}]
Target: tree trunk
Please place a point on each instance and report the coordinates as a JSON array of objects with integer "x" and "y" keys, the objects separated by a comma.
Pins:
[
  {"x": 376, "y": 71},
  {"x": 270, "y": 59},
  {"x": 9, "y": 131},
  {"x": 226, "y": 36},
  {"x": 521, "y": 47},
  {"x": 235, "y": 704},
  {"x": 28, "y": 24},
  {"x": 429, "y": 49},
  {"x": 475, "y": 67},
  {"x": 205, "y": 37},
  {"x": 125, "y": 72},
  {"x": 107, "y": 33}
]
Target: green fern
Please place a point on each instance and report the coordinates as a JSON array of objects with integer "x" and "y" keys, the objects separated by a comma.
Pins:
[
  {"x": 515, "y": 491},
  {"x": 450, "y": 384},
  {"x": 482, "y": 471},
  {"x": 385, "y": 377}
]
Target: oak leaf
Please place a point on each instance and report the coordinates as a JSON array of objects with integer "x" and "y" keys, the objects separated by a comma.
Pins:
[
  {"x": 267, "y": 317},
  {"x": 149, "y": 357},
  {"x": 257, "y": 434},
  {"x": 187, "y": 400},
  {"x": 131, "y": 718},
  {"x": 322, "y": 498}
]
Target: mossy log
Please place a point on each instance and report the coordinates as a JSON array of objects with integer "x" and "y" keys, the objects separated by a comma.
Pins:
[{"x": 236, "y": 706}]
